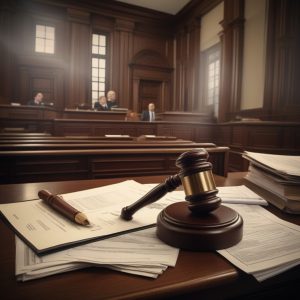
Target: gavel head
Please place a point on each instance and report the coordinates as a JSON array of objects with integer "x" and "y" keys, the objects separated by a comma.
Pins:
[{"x": 198, "y": 181}]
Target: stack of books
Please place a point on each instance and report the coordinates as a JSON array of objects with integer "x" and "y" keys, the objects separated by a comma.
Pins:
[{"x": 279, "y": 175}]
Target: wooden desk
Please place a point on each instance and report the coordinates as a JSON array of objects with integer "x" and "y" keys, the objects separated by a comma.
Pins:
[
  {"x": 77, "y": 145},
  {"x": 26, "y": 112},
  {"x": 93, "y": 115},
  {"x": 197, "y": 275}
]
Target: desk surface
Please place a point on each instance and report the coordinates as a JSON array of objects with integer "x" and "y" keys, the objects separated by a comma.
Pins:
[{"x": 196, "y": 273}]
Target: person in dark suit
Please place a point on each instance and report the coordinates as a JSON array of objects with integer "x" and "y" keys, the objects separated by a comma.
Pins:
[
  {"x": 111, "y": 99},
  {"x": 37, "y": 100},
  {"x": 149, "y": 115},
  {"x": 101, "y": 104}
]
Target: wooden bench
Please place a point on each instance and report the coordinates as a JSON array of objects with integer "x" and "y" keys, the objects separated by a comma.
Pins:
[
  {"x": 23, "y": 134},
  {"x": 70, "y": 164},
  {"x": 78, "y": 145}
]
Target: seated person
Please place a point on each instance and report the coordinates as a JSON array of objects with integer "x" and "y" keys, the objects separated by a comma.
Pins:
[
  {"x": 101, "y": 104},
  {"x": 111, "y": 99},
  {"x": 37, "y": 100},
  {"x": 131, "y": 116},
  {"x": 149, "y": 115}
]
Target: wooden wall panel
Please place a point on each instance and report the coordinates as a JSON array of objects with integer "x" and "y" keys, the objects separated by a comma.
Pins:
[
  {"x": 31, "y": 68},
  {"x": 123, "y": 52},
  {"x": 132, "y": 31},
  {"x": 296, "y": 138},
  {"x": 87, "y": 164},
  {"x": 231, "y": 58},
  {"x": 282, "y": 88},
  {"x": 116, "y": 166},
  {"x": 152, "y": 75},
  {"x": 129, "y": 31},
  {"x": 238, "y": 136},
  {"x": 143, "y": 41},
  {"x": 223, "y": 134},
  {"x": 150, "y": 92},
  {"x": 78, "y": 91},
  {"x": 205, "y": 133},
  {"x": 187, "y": 90},
  {"x": 49, "y": 81},
  {"x": 264, "y": 137},
  {"x": 6, "y": 53},
  {"x": 281, "y": 91}
]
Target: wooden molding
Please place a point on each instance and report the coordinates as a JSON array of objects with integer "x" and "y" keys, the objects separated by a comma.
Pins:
[
  {"x": 124, "y": 25},
  {"x": 231, "y": 61},
  {"x": 79, "y": 16},
  {"x": 150, "y": 58}
]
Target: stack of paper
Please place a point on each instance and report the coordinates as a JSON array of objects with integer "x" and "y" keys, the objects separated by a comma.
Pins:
[
  {"x": 269, "y": 246},
  {"x": 139, "y": 253},
  {"x": 278, "y": 174}
]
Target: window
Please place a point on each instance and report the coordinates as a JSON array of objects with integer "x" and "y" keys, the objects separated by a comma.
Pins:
[
  {"x": 99, "y": 59},
  {"x": 44, "y": 39},
  {"x": 212, "y": 78}
]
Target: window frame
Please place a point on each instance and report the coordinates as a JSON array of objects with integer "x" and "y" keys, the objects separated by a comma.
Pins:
[
  {"x": 215, "y": 49},
  {"x": 45, "y": 24},
  {"x": 106, "y": 57}
]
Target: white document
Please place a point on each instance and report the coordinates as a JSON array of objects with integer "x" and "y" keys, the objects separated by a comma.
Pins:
[
  {"x": 116, "y": 135},
  {"x": 229, "y": 194},
  {"x": 240, "y": 195},
  {"x": 269, "y": 245},
  {"x": 282, "y": 164},
  {"x": 140, "y": 253},
  {"x": 46, "y": 229},
  {"x": 141, "y": 247}
]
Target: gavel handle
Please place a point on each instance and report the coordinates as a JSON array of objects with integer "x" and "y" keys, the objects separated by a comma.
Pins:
[{"x": 170, "y": 184}]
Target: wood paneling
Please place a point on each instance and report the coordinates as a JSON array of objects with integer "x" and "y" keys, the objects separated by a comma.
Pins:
[
  {"x": 151, "y": 56},
  {"x": 187, "y": 64},
  {"x": 6, "y": 55},
  {"x": 149, "y": 92},
  {"x": 78, "y": 89},
  {"x": 282, "y": 69},
  {"x": 53, "y": 165},
  {"x": 65, "y": 76},
  {"x": 231, "y": 58},
  {"x": 189, "y": 131},
  {"x": 180, "y": 116},
  {"x": 283, "y": 66},
  {"x": 151, "y": 78},
  {"x": 264, "y": 137},
  {"x": 92, "y": 115},
  {"x": 49, "y": 81}
]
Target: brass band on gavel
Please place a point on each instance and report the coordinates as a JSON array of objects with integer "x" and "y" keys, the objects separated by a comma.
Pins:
[{"x": 198, "y": 183}]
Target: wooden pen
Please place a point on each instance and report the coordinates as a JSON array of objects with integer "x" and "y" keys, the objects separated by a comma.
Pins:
[{"x": 59, "y": 204}]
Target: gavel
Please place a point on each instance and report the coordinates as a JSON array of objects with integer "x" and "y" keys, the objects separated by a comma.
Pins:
[{"x": 200, "y": 222}]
